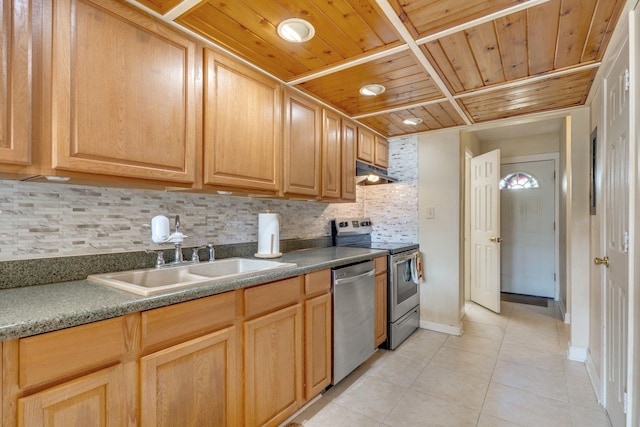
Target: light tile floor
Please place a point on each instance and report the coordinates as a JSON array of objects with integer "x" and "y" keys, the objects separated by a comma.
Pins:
[{"x": 505, "y": 370}]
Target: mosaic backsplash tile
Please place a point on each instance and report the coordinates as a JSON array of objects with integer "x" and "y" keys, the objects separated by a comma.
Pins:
[
  {"x": 393, "y": 208},
  {"x": 51, "y": 220}
]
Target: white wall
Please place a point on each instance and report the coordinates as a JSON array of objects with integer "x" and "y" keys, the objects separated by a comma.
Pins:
[
  {"x": 523, "y": 146},
  {"x": 578, "y": 256},
  {"x": 440, "y": 188},
  {"x": 563, "y": 170},
  {"x": 596, "y": 288}
]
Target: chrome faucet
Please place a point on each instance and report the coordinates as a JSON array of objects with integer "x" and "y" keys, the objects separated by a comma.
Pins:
[{"x": 177, "y": 259}]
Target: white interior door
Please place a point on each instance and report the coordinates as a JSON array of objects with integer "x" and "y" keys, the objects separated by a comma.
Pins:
[
  {"x": 616, "y": 237},
  {"x": 485, "y": 230},
  {"x": 527, "y": 217}
]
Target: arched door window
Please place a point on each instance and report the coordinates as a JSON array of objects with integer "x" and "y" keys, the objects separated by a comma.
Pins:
[{"x": 518, "y": 181}]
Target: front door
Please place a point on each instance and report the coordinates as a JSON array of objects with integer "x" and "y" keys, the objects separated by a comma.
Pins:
[
  {"x": 485, "y": 230},
  {"x": 527, "y": 227},
  {"x": 615, "y": 231}
]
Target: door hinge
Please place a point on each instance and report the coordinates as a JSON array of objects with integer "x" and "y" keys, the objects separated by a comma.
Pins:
[
  {"x": 625, "y": 242},
  {"x": 627, "y": 83},
  {"x": 554, "y": 277},
  {"x": 554, "y": 226},
  {"x": 625, "y": 401}
]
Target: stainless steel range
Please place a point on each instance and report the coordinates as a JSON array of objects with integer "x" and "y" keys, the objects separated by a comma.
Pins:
[{"x": 403, "y": 289}]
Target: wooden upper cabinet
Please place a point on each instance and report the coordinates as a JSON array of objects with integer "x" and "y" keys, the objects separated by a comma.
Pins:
[
  {"x": 331, "y": 155},
  {"x": 302, "y": 141},
  {"x": 16, "y": 56},
  {"x": 366, "y": 145},
  {"x": 123, "y": 93},
  {"x": 381, "y": 152},
  {"x": 349, "y": 143},
  {"x": 242, "y": 121}
]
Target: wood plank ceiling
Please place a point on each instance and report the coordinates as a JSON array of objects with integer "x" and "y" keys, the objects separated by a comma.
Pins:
[{"x": 447, "y": 62}]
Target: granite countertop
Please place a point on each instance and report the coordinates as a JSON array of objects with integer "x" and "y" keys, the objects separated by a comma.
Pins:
[{"x": 38, "y": 309}]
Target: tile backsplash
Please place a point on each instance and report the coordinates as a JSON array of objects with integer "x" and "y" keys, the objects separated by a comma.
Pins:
[
  {"x": 393, "y": 208},
  {"x": 50, "y": 220}
]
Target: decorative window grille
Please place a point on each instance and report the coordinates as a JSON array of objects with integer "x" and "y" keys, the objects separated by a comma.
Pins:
[{"x": 518, "y": 181}]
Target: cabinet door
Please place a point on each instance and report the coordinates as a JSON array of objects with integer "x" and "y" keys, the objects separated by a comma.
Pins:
[
  {"x": 242, "y": 116},
  {"x": 318, "y": 332},
  {"x": 123, "y": 93},
  {"x": 273, "y": 366},
  {"x": 195, "y": 383},
  {"x": 16, "y": 34},
  {"x": 93, "y": 400},
  {"x": 380, "y": 325},
  {"x": 349, "y": 145},
  {"x": 331, "y": 154},
  {"x": 302, "y": 141},
  {"x": 381, "y": 152},
  {"x": 366, "y": 145}
]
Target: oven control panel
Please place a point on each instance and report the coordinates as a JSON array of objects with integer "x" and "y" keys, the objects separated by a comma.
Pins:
[{"x": 352, "y": 225}]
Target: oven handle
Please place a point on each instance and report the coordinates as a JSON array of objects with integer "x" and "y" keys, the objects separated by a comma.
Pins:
[
  {"x": 397, "y": 259},
  {"x": 350, "y": 279}
]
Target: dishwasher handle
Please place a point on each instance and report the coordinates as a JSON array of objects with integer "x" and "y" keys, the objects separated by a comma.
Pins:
[{"x": 349, "y": 279}]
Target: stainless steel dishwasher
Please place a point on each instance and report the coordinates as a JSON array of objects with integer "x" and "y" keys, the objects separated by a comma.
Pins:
[{"x": 353, "y": 317}]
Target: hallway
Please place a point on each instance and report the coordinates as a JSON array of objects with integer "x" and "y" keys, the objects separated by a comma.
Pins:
[{"x": 506, "y": 370}]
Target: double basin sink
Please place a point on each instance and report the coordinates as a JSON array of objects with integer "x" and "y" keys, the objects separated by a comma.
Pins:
[{"x": 160, "y": 280}]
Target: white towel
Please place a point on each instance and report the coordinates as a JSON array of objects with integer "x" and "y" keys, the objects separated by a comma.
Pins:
[{"x": 416, "y": 268}]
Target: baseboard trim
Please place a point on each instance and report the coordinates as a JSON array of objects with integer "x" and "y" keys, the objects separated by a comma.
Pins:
[
  {"x": 594, "y": 378},
  {"x": 577, "y": 354},
  {"x": 563, "y": 311},
  {"x": 439, "y": 327}
]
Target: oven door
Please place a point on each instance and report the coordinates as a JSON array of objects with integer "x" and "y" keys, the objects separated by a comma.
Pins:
[{"x": 404, "y": 293}]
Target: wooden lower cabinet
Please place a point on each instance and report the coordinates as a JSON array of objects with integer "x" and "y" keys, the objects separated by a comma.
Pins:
[
  {"x": 380, "y": 301},
  {"x": 248, "y": 357},
  {"x": 273, "y": 366},
  {"x": 380, "y": 325},
  {"x": 318, "y": 327},
  {"x": 194, "y": 383},
  {"x": 92, "y": 400}
]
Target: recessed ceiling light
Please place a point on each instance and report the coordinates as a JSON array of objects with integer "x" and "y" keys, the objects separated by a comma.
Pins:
[
  {"x": 296, "y": 30},
  {"x": 372, "y": 90},
  {"x": 413, "y": 121}
]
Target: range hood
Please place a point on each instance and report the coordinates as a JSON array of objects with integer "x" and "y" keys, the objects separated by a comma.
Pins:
[{"x": 371, "y": 175}]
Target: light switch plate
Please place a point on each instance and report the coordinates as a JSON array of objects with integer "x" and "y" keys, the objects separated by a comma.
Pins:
[{"x": 431, "y": 212}]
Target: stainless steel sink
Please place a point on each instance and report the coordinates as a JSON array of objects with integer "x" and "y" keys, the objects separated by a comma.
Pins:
[{"x": 161, "y": 280}]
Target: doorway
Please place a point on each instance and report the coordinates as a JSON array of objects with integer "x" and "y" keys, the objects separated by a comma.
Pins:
[{"x": 527, "y": 219}]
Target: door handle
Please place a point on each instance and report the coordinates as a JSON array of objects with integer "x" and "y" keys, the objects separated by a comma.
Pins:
[
  {"x": 495, "y": 239},
  {"x": 601, "y": 261}
]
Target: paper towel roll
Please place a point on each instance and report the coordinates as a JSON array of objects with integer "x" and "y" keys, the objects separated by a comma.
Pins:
[{"x": 268, "y": 235}]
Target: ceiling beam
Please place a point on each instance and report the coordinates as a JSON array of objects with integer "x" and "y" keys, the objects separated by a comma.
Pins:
[
  {"x": 479, "y": 21},
  {"x": 406, "y": 36}
]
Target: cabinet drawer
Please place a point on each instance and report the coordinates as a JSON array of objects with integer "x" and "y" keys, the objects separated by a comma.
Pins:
[
  {"x": 55, "y": 355},
  {"x": 271, "y": 296},
  {"x": 381, "y": 264},
  {"x": 316, "y": 282},
  {"x": 179, "y": 322}
]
